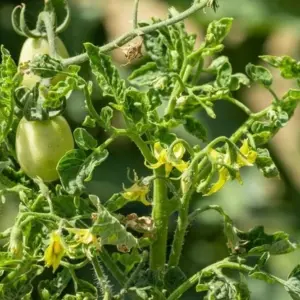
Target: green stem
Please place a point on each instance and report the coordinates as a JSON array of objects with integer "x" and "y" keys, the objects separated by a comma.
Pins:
[
  {"x": 135, "y": 14},
  {"x": 224, "y": 264},
  {"x": 112, "y": 267},
  {"x": 122, "y": 40},
  {"x": 160, "y": 217},
  {"x": 184, "y": 74},
  {"x": 46, "y": 18},
  {"x": 183, "y": 219},
  {"x": 101, "y": 278},
  {"x": 240, "y": 105}
]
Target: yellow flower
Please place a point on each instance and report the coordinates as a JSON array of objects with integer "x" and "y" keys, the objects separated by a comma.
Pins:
[
  {"x": 246, "y": 157},
  {"x": 84, "y": 236},
  {"x": 55, "y": 251},
  {"x": 161, "y": 155},
  {"x": 137, "y": 192}
]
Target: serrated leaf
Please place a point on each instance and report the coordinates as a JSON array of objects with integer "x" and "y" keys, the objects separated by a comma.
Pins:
[
  {"x": 265, "y": 163},
  {"x": 84, "y": 140},
  {"x": 75, "y": 168},
  {"x": 106, "y": 116},
  {"x": 217, "y": 63},
  {"x": 237, "y": 80},
  {"x": 260, "y": 275},
  {"x": 128, "y": 260},
  {"x": 136, "y": 105},
  {"x": 259, "y": 74},
  {"x": 217, "y": 31},
  {"x": 289, "y": 67},
  {"x": 17, "y": 283},
  {"x": 292, "y": 285},
  {"x": 256, "y": 242},
  {"x": 89, "y": 122},
  {"x": 55, "y": 286},
  {"x": 224, "y": 75},
  {"x": 8, "y": 83},
  {"x": 106, "y": 73},
  {"x": 111, "y": 231},
  {"x": 195, "y": 128}
]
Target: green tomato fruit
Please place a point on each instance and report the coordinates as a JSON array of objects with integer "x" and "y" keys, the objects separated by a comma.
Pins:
[
  {"x": 41, "y": 144},
  {"x": 33, "y": 47}
]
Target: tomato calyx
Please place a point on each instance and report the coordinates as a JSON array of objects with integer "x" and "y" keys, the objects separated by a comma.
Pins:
[{"x": 20, "y": 26}]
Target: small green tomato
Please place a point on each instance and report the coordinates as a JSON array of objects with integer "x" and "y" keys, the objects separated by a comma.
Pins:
[
  {"x": 33, "y": 47},
  {"x": 41, "y": 144}
]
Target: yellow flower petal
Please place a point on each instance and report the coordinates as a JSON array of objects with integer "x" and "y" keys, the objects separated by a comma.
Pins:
[
  {"x": 157, "y": 149},
  {"x": 168, "y": 169},
  {"x": 223, "y": 178},
  {"x": 156, "y": 165},
  {"x": 83, "y": 236},
  {"x": 181, "y": 165},
  {"x": 137, "y": 192},
  {"x": 178, "y": 150},
  {"x": 55, "y": 251},
  {"x": 249, "y": 155}
]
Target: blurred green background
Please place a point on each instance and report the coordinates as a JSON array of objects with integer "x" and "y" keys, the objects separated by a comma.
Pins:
[{"x": 260, "y": 27}]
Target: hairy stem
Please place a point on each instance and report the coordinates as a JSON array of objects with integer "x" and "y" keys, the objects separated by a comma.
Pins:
[
  {"x": 125, "y": 38},
  {"x": 46, "y": 18},
  {"x": 183, "y": 220},
  {"x": 101, "y": 278},
  {"x": 160, "y": 217}
]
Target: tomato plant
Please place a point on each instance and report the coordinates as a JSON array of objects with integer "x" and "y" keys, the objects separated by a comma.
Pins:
[{"x": 60, "y": 225}]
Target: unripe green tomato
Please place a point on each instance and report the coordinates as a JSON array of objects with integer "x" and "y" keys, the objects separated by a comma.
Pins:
[
  {"x": 41, "y": 144},
  {"x": 39, "y": 46}
]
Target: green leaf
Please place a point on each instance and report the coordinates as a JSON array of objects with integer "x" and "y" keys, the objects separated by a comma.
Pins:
[
  {"x": 136, "y": 105},
  {"x": 106, "y": 73},
  {"x": 89, "y": 122},
  {"x": 260, "y": 275},
  {"x": 169, "y": 45},
  {"x": 265, "y": 163},
  {"x": 128, "y": 260},
  {"x": 111, "y": 231},
  {"x": 289, "y": 68},
  {"x": 195, "y": 128},
  {"x": 55, "y": 95},
  {"x": 256, "y": 242},
  {"x": 217, "y": 31},
  {"x": 292, "y": 285},
  {"x": 148, "y": 75},
  {"x": 75, "y": 168},
  {"x": 217, "y": 63},
  {"x": 237, "y": 80},
  {"x": 17, "y": 283},
  {"x": 106, "y": 116},
  {"x": 259, "y": 74},
  {"x": 84, "y": 140},
  {"x": 55, "y": 286},
  {"x": 8, "y": 83},
  {"x": 262, "y": 138},
  {"x": 224, "y": 75}
]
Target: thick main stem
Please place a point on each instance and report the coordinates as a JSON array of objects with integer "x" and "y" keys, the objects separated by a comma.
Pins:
[{"x": 160, "y": 216}]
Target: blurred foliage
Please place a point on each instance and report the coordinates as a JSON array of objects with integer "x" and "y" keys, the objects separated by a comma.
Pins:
[{"x": 272, "y": 203}]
